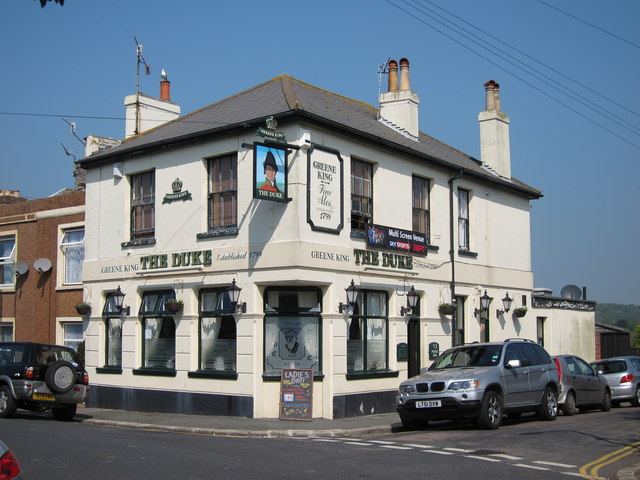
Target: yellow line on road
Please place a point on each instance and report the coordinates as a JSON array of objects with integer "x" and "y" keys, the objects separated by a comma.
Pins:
[{"x": 590, "y": 470}]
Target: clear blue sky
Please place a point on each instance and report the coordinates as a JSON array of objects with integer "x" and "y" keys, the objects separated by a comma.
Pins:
[{"x": 78, "y": 62}]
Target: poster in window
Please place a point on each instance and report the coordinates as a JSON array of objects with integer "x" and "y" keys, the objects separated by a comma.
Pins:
[
  {"x": 270, "y": 173},
  {"x": 325, "y": 189},
  {"x": 291, "y": 342}
]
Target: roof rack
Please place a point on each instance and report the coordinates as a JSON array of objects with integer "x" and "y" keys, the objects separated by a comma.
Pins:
[{"x": 518, "y": 339}]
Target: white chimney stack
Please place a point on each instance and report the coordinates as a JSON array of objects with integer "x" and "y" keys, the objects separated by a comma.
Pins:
[
  {"x": 399, "y": 106},
  {"x": 144, "y": 112},
  {"x": 494, "y": 133}
]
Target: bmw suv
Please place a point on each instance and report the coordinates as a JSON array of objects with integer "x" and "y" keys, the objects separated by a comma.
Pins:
[
  {"x": 481, "y": 382},
  {"x": 37, "y": 376}
]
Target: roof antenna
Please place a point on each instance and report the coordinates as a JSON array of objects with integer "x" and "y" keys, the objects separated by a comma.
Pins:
[
  {"x": 383, "y": 69},
  {"x": 68, "y": 152},
  {"x": 139, "y": 60},
  {"x": 73, "y": 130}
]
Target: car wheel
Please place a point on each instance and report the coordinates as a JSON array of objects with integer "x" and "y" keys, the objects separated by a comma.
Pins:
[
  {"x": 65, "y": 413},
  {"x": 60, "y": 376},
  {"x": 7, "y": 403},
  {"x": 549, "y": 407},
  {"x": 490, "y": 412},
  {"x": 569, "y": 406},
  {"x": 635, "y": 401},
  {"x": 606, "y": 401}
]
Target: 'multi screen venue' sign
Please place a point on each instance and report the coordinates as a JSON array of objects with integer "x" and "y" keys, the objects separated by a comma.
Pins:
[{"x": 397, "y": 239}]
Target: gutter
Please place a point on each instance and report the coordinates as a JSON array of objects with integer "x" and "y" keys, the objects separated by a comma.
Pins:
[{"x": 452, "y": 256}]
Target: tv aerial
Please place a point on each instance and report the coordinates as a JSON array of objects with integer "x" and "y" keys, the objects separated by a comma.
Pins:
[
  {"x": 571, "y": 291},
  {"x": 147, "y": 68}
]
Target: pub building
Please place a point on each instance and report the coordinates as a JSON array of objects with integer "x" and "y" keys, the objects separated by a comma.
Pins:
[{"x": 288, "y": 227}]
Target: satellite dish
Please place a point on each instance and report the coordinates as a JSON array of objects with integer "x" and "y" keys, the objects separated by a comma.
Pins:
[
  {"x": 42, "y": 265},
  {"x": 571, "y": 291},
  {"x": 21, "y": 268}
]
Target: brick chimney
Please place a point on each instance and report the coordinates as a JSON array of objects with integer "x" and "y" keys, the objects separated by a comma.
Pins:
[
  {"x": 494, "y": 133},
  {"x": 399, "y": 106},
  {"x": 144, "y": 112}
]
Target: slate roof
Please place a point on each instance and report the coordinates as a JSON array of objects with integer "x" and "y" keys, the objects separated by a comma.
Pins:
[{"x": 285, "y": 98}]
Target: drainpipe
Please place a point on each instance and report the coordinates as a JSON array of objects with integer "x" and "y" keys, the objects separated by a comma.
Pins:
[{"x": 452, "y": 241}]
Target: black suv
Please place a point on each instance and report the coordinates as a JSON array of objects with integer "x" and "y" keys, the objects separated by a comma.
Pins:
[{"x": 37, "y": 376}]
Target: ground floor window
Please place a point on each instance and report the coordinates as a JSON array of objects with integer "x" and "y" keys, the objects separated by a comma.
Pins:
[
  {"x": 6, "y": 332},
  {"x": 113, "y": 328},
  {"x": 218, "y": 335},
  {"x": 458, "y": 322},
  {"x": 367, "y": 335},
  {"x": 72, "y": 334},
  {"x": 159, "y": 331},
  {"x": 292, "y": 329},
  {"x": 540, "y": 330}
]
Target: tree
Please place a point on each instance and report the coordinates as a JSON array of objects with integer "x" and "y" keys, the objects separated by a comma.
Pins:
[
  {"x": 44, "y": 2},
  {"x": 636, "y": 336}
]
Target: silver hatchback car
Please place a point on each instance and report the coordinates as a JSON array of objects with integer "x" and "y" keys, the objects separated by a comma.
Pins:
[
  {"x": 623, "y": 376},
  {"x": 481, "y": 382}
]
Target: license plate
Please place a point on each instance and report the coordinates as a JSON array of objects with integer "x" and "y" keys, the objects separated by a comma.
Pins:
[
  {"x": 428, "y": 403},
  {"x": 44, "y": 396}
]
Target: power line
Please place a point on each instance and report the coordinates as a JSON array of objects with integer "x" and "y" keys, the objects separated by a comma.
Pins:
[
  {"x": 590, "y": 24},
  {"x": 545, "y": 93}
]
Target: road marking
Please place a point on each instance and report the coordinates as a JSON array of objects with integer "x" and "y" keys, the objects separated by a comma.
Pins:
[
  {"x": 439, "y": 452},
  {"x": 554, "y": 464},
  {"x": 395, "y": 447},
  {"x": 533, "y": 467},
  {"x": 487, "y": 459},
  {"x": 505, "y": 456},
  {"x": 328, "y": 440},
  {"x": 366, "y": 444},
  {"x": 382, "y": 442},
  {"x": 591, "y": 469},
  {"x": 457, "y": 450},
  {"x": 415, "y": 445}
]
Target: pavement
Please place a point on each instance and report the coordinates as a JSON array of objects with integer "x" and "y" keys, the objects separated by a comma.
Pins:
[
  {"x": 261, "y": 427},
  {"x": 241, "y": 426}
]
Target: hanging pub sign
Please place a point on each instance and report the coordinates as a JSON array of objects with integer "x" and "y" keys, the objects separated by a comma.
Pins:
[
  {"x": 325, "y": 189},
  {"x": 270, "y": 172},
  {"x": 397, "y": 239}
]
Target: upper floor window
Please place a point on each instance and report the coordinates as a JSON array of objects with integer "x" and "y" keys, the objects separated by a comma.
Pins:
[
  {"x": 361, "y": 195},
  {"x": 143, "y": 197},
  {"x": 421, "y": 220},
  {"x": 223, "y": 192},
  {"x": 463, "y": 219},
  {"x": 72, "y": 246},
  {"x": 7, "y": 260}
]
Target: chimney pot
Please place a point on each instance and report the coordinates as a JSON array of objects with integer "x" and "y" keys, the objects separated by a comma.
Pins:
[
  {"x": 165, "y": 87},
  {"x": 393, "y": 76},
  {"x": 404, "y": 74},
  {"x": 492, "y": 96}
]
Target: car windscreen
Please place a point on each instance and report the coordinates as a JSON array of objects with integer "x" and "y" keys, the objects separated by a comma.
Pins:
[
  {"x": 470, "y": 356},
  {"x": 615, "y": 366}
]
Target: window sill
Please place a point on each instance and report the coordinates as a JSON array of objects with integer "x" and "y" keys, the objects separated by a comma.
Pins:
[
  {"x": 139, "y": 243},
  {"x": 222, "y": 232},
  {"x": 155, "y": 371},
  {"x": 359, "y": 234},
  {"x": 362, "y": 375},
  {"x": 230, "y": 375},
  {"x": 317, "y": 377},
  {"x": 467, "y": 253},
  {"x": 433, "y": 248},
  {"x": 109, "y": 370}
]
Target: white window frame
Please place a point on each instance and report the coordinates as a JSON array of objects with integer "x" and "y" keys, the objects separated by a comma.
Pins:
[
  {"x": 11, "y": 325},
  {"x": 63, "y": 333},
  {"x": 63, "y": 249},
  {"x": 9, "y": 261}
]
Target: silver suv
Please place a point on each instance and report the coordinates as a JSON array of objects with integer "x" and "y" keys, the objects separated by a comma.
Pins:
[
  {"x": 37, "y": 376},
  {"x": 481, "y": 381}
]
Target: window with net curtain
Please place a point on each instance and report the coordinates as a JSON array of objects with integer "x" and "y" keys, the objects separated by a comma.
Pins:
[
  {"x": 113, "y": 327},
  {"x": 159, "y": 331},
  {"x": 367, "y": 333},
  {"x": 7, "y": 260},
  {"x": 218, "y": 334},
  {"x": 463, "y": 219},
  {"x": 72, "y": 246},
  {"x": 361, "y": 195},
  {"x": 292, "y": 329}
]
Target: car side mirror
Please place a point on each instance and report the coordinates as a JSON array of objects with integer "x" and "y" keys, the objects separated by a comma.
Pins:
[{"x": 513, "y": 364}]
